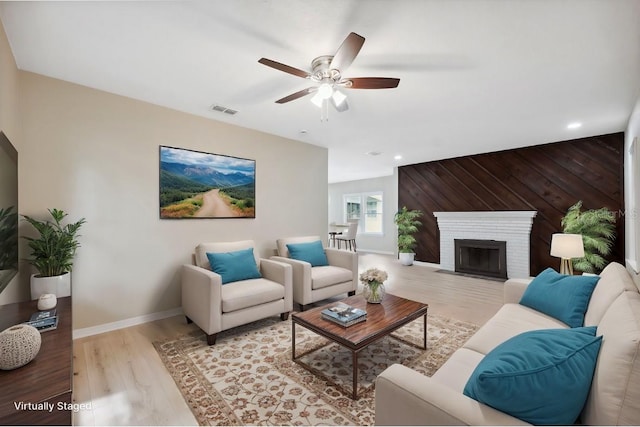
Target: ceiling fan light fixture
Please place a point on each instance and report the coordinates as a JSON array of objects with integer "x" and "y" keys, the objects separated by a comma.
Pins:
[
  {"x": 317, "y": 99},
  {"x": 325, "y": 90},
  {"x": 338, "y": 97}
]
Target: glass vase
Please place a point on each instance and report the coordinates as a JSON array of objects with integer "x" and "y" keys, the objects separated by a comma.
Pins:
[{"x": 373, "y": 292}]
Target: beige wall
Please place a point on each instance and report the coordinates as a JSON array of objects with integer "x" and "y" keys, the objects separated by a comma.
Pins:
[
  {"x": 95, "y": 155},
  {"x": 10, "y": 125}
]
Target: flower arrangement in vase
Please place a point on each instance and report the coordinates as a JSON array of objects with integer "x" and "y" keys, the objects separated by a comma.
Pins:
[{"x": 373, "y": 281}]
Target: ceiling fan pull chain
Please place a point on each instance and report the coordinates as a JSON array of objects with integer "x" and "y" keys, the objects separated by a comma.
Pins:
[{"x": 324, "y": 111}]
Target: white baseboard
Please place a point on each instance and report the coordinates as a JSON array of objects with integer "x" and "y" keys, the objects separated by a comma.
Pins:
[
  {"x": 427, "y": 264},
  {"x": 120, "y": 324},
  {"x": 374, "y": 251}
]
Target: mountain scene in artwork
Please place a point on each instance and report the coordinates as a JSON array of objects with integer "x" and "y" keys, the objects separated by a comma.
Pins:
[{"x": 202, "y": 185}]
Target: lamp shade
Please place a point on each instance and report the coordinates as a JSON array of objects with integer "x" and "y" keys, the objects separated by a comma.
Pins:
[{"x": 567, "y": 246}]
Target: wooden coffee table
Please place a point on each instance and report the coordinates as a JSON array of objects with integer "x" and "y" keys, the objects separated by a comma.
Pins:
[{"x": 382, "y": 319}]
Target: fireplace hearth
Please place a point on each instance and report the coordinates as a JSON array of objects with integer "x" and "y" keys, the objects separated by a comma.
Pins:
[{"x": 481, "y": 257}]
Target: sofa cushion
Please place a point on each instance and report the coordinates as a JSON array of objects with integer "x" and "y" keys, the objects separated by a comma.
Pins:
[
  {"x": 249, "y": 293},
  {"x": 509, "y": 321},
  {"x": 322, "y": 277},
  {"x": 455, "y": 372},
  {"x": 561, "y": 296},
  {"x": 311, "y": 252},
  {"x": 234, "y": 266},
  {"x": 615, "y": 393},
  {"x": 542, "y": 377},
  {"x": 614, "y": 280}
]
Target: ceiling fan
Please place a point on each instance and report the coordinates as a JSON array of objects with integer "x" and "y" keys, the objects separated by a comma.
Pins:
[{"x": 327, "y": 71}]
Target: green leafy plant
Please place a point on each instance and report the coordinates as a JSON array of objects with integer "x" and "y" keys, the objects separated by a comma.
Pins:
[
  {"x": 408, "y": 223},
  {"x": 597, "y": 227},
  {"x": 53, "y": 251}
]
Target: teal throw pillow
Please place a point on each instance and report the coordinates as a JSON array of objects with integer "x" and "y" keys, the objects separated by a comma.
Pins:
[
  {"x": 560, "y": 296},
  {"x": 311, "y": 252},
  {"x": 234, "y": 266},
  {"x": 542, "y": 377}
]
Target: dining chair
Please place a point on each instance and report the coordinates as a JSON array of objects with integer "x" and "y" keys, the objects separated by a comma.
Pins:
[{"x": 349, "y": 237}]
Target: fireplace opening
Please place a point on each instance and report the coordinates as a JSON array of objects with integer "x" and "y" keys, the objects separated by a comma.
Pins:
[{"x": 481, "y": 257}]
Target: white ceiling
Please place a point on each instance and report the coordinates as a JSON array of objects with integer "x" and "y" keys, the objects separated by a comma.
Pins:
[{"x": 476, "y": 75}]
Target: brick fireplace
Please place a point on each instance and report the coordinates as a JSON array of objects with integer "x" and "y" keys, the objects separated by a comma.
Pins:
[{"x": 512, "y": 227}]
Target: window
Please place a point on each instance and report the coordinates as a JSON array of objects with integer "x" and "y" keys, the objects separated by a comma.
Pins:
[
  {"x": 352, "y": 204},
  {"x": 367, "y": 209}
]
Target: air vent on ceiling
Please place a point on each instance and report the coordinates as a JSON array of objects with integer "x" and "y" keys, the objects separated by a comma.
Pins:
[{"x": 221, "y": 109}]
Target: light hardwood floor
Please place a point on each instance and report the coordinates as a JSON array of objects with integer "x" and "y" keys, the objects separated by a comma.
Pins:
[{"x": 121, "y": 377}]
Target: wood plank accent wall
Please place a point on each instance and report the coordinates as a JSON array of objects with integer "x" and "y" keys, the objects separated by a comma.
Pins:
[{"x": 546, "y": 178}]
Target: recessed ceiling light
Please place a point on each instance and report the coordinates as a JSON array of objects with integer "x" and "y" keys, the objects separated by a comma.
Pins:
[
  {"x": 574, "y": 125},
  {"x": 303, "y": 131},
  {"x": 374, "y": 153},
  {"x": 398, "y": 157}
]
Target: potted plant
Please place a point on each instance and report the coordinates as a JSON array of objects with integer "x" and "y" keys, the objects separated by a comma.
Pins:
[
  {"x": 597, "y": 227},
  {"x": 407, "y": 222},
  {"x": 52, "y": 254}
]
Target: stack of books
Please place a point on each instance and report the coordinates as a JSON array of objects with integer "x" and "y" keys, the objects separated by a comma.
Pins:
[
  {"x": 44, "y": 320},
  {"x": 344, "y": 314}
]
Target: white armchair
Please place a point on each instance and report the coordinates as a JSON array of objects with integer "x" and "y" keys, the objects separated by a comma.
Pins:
[
  {"x": 311, "y": 284},
  {"x": 216, "y": 307}
]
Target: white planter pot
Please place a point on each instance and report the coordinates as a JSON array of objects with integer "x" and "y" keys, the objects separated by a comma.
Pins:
[
  {"x": 60, "y": 286},
  {"x": 406, "y": 258}
]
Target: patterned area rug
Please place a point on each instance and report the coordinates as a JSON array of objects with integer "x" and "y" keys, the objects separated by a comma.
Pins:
[{"x": 248, "y": 377}]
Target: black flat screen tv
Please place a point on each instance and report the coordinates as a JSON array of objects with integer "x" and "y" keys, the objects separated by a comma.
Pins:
[{"x": 8, "y": 211}]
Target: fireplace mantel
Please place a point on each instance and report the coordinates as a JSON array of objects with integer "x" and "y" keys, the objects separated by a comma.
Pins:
[
  {"x": 487, "y": 215},
  {"x": 514, "y": 227}
]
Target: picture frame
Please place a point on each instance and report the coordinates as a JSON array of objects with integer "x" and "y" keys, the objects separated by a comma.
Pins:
[{"x": 199, "y": 185}]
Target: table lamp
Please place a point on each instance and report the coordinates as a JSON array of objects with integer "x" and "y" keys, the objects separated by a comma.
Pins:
[{"x": 566, "y": 247}]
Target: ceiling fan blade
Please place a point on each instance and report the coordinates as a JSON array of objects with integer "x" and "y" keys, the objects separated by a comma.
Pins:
[
  {"x": 347, "y": 52},
  {"x": 286, "y": 68},
  {"x": 343, "y": 106},
  {"x": 297, "y": 95},
  {"x": 370, "y": 83}
]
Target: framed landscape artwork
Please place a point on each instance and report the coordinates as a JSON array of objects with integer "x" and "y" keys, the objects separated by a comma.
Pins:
[{"x": 194, "y": 184}]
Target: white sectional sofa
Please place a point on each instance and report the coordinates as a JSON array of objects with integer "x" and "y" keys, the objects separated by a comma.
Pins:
[{"x": 405, "y": 397}]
